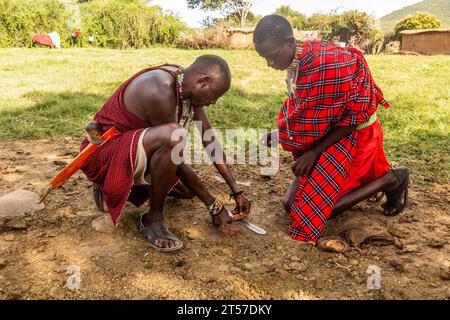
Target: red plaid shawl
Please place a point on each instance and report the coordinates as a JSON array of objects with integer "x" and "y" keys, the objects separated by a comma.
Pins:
[
  {"x": 112, "y": 165},
  {"x": 334, "y": 87}
]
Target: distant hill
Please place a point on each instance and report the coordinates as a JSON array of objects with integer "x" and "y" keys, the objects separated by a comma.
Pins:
[{"x": 439, "y": 8}]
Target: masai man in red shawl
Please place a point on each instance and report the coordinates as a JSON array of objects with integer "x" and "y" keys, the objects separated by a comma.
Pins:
[
  {"x": 150, "y": 110},
  {"x": 329, "y": 124}
]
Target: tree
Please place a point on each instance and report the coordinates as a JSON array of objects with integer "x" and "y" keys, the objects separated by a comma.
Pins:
[
  {"x": 230, "y": 20},
  {"x": 422, "y": 20},
  {"x": 298, "y": 20},
  {"x": 352, "y": 27},
  {"x": 354, "y": 24},
  {"x": 239, "y": 7}
]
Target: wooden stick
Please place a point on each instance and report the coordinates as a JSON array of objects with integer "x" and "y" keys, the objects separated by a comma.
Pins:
[{"x": 44, "y": 195}]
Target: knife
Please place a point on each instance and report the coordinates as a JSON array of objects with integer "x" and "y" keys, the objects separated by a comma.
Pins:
[{"x": 249, "y": 226}]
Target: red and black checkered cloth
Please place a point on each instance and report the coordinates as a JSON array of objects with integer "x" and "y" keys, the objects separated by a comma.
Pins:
[
  {"x": 112, "y": 165},
  {"x": 334, "y": 87}
]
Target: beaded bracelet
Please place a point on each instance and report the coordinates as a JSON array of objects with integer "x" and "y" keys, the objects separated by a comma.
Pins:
[{"x": 215, "y": 208}]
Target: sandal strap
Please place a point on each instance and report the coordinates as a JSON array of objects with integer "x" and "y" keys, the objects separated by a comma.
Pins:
[{"x": 161, "y": 232}]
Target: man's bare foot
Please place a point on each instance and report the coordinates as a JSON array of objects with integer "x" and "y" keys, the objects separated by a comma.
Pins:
[
  {"x": 397, "y": 197},
  {"x": 158, "y": 236}
]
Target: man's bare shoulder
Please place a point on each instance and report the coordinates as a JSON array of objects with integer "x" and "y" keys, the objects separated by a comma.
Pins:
[{"x": 155, "y": 86}]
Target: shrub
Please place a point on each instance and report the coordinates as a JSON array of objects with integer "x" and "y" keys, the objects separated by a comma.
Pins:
[
  {"x": 203, "y": 39},
  {"x": 128, "y": 24},
  {"x": 352, "y": 27},
  {"x": 113, "y": 23},
  {"x": 422, "y": 20},
  {"x": 298, "y": 20},
  {"x": 21, "y": 19}
]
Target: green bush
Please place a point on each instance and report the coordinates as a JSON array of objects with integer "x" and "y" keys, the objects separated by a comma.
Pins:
[
  {"x": 128, "y": 24},
  {"x": 20, "y": 20},
  {"x": 298, "y": 20},
  {"x": 352, "y": 27},
  {"x": 422, "y": 20},
  {"x": 207, "y": 38},
  {"x": 113, "y": 23}
]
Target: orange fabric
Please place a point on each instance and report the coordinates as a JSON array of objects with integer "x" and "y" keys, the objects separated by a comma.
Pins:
[{"x": 369, "y": 162}]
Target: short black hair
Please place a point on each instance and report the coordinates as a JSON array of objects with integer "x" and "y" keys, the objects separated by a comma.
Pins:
[
  {"x": 207, "y": 62},
  {"x": 273, "y": 28}
]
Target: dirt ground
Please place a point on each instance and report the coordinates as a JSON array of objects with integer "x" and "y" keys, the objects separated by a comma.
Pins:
[{"x": 34, "y": 259}]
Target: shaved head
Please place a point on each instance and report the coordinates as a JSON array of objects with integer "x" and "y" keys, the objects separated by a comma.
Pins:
[
  {"x": 273, "y": 28},
  {"x": 215, "y": 66},
  {"x": 207, "y": 79},
  {"x": 274, "y": 41}
]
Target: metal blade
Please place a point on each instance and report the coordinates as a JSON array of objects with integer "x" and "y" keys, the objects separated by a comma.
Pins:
[{"x": 251, "y": 227}]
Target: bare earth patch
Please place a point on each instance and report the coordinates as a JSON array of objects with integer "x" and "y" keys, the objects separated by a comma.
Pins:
[{"x": 411, "y": 250}]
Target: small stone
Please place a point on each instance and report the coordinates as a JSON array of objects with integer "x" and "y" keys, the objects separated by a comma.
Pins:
[
  {"x": 3, "y": 263},
  {"x": 354, "y": 262},
  {"x": 398, "y": 244},
  {"x": 52, "y": 233},
  {"x": 59, "y": 163},
  {"x": 103, "y": 224},
  {"x": 445, "y": 274},
  {"x": 180, "y": 263},
  {"x": 411, "y": 248},
  {"x": 404, "y": 219},
  {"x": 398, "y": 233},
  {"x": 297, "y": 266},
  {"x": 248, "y": 266},
  {"x": 9, "y": 237},
  {"x": 319, "y": 284},
  {"x": 14, "y": 206},
  {"x": 436, "y": 243},
  {"x": 400, "y": 267},
  {"x": 223, "y": 268}
]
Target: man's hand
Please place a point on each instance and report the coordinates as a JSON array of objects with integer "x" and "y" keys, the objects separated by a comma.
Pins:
[
  {"x": 305, "y": 164},
  {"x": 242, "y": 207},
  {"x": 223, "y": 221}
]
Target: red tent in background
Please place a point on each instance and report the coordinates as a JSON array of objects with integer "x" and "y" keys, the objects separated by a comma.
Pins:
[{"x": 43, "y": 39}]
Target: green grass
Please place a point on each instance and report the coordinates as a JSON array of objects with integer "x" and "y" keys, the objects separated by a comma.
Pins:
[{"x": 54, "y": 93}]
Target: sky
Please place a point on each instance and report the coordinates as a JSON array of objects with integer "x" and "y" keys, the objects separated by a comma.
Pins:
[{"x": 377, "y": 8}]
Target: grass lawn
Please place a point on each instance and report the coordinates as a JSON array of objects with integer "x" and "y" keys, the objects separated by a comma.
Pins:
[{"x": 54, "y": 93}]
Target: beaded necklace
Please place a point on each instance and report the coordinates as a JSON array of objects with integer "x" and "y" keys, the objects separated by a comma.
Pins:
[
  {"x": 291, "y": 79},
  {"x": 182, "y": 104}
]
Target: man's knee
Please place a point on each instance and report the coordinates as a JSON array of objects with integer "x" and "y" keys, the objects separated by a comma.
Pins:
[
  {"x": 165, "y": 136},
  {"x": 174, "y": 135}
]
